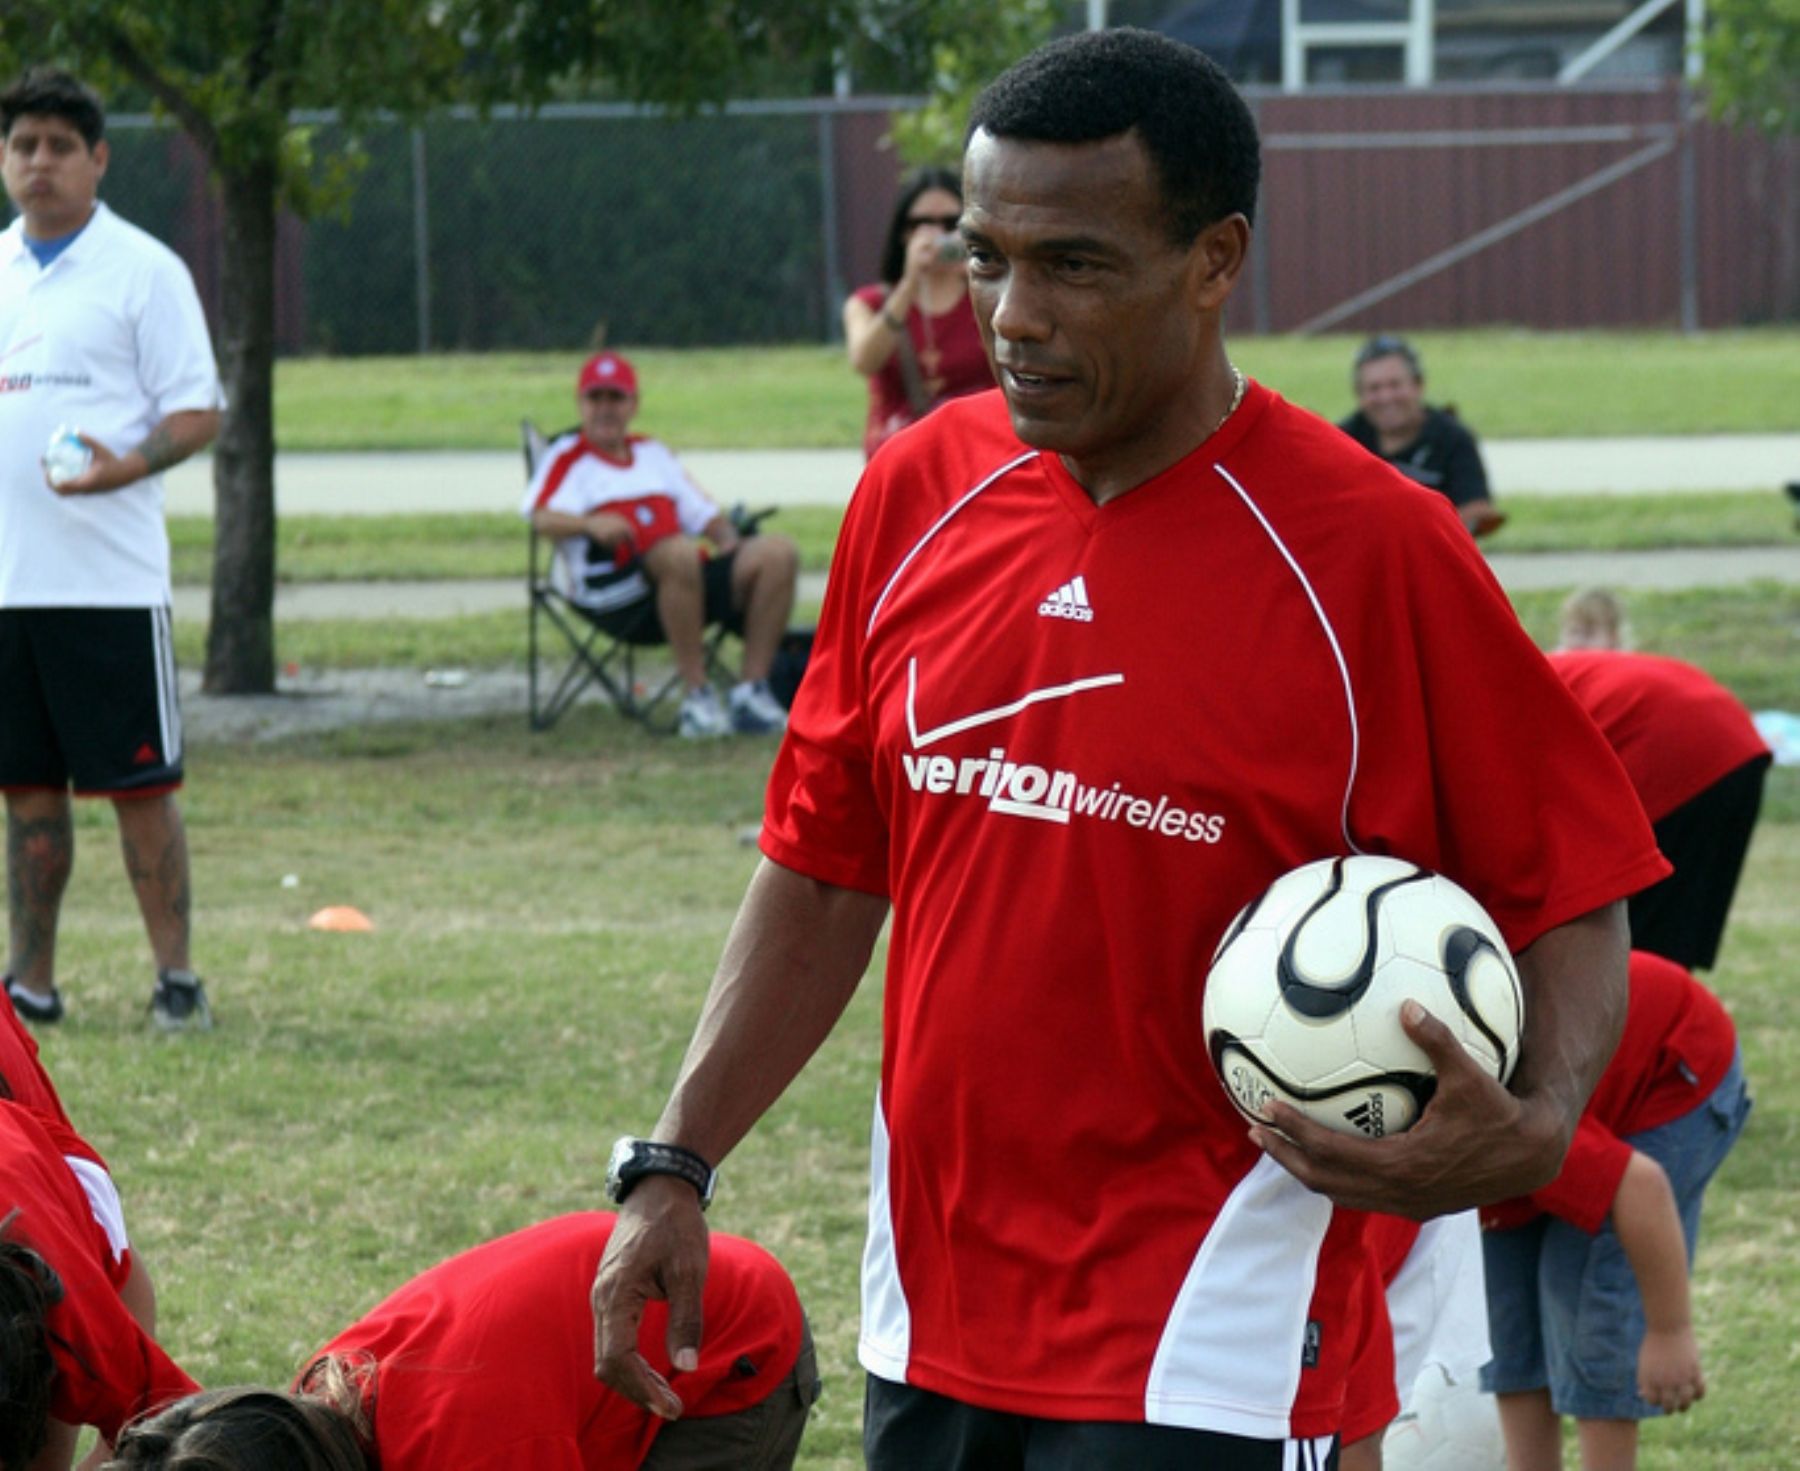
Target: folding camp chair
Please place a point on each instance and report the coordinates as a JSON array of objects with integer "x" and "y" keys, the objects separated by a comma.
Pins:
[{"x": 596, "y": 658}]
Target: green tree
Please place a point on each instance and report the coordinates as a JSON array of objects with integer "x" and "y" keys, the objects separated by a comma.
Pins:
[
  {"x": 961, "y": 66},
  {"x": 233, "y": 73},
  {"x": 1752, "y": 55}
]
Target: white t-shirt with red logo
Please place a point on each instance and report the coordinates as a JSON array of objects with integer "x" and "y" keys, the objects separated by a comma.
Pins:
[
  {"x": 649, "y": 488},
  {"x": 1070, "y": 741},
  {"x": 108, "y": 339}
]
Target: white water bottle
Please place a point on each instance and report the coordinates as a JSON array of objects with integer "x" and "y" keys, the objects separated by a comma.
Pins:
[{"x": 66, "y": 456}]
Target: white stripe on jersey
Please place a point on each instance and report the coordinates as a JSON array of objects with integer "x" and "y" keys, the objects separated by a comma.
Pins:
[
  {"x": 1307, "y": 1455},
  {"x": 103, "y": 1201},
  {"x": 1331, "y": 638},
  {"x": 886, "y": 1341},
  {"x": 1231, "y": 1351},
  {"x": 937, "y": 526}
]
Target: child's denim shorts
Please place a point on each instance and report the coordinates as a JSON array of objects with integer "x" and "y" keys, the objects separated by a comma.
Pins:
[{"x": 1563, "y": 1306}]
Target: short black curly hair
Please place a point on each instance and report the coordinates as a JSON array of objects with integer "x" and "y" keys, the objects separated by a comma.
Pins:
[
  {"x": 29, "y": 1288},
  {"x": 1097, "y": 84},
  {"x": 45, "y": 91}
]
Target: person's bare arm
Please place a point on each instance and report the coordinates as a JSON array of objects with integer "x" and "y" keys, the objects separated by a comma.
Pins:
[
  {"x": 1648, "y": 1226},
  {"x": 604, "y": 527},
  {"x": 870, "y": 336},
  {"x": 1477, "y": 1142},
  {"x": 183, "y": 433},
  {"x": 721, "y": 533},
  {"x": 794, "y": 958}
]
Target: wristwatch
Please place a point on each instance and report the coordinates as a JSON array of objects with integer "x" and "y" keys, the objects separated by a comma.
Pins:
[{"x": 632, "y": 1159}]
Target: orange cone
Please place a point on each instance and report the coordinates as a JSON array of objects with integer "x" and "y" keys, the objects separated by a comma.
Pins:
[{"x": 342, "y": 918}]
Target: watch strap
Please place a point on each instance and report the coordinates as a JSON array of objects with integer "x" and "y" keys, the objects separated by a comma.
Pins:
[{"x": 649, "y": 1157}]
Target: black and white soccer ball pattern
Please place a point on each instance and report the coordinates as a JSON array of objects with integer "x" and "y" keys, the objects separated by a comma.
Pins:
[{"x": 1303, "y": 999}]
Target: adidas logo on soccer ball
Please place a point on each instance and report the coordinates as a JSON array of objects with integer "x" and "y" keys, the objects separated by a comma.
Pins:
[
  {"x": 1069, "y": 601},
  {"x": 1366, "y": 1116}
]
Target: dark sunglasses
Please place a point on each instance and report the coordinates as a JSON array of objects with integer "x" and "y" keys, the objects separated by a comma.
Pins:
[
  {"x": 943, "y": 222},
  {"x": 610, "y": 395}
]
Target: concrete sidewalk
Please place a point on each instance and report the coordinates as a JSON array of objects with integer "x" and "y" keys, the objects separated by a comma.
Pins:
[
  {"x": 1626, "y": 571},
  {"x": 491, "y": 480}
]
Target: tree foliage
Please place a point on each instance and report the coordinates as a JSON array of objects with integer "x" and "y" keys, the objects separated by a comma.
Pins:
[
  {"x": 960, "y": 67},
  {"x": 1752, "y": 56}
]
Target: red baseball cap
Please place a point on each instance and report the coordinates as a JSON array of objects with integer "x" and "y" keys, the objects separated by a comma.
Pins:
[{"x": 607, "y": 370}]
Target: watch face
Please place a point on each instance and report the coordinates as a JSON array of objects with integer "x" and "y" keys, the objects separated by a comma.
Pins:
[{"x": 623, "y": 1153}]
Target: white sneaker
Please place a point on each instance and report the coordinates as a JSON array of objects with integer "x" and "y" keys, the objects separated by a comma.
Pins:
[
  {"x": 755, "y": 711},
  {"x": 702, "y": 715}
]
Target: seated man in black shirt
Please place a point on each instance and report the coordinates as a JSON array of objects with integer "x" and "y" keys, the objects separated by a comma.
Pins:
[{"x": 1428, "y": 445}]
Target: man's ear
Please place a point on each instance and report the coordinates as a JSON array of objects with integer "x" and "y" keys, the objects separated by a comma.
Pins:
[
  {"x": 102, "y": 156},
  {"x": 1216, "y": 259}
]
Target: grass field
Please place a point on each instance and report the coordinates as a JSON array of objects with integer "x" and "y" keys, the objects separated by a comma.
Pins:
[
  {"x": 373, "y": 1102},
  {"x": 1507, "y": 384}
]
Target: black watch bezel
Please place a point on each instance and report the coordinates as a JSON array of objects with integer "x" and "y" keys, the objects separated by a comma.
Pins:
[{"x": 633, "y": 1159}]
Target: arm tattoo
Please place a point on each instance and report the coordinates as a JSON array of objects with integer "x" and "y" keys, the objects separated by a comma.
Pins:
[{"x": 160, "y": 450}]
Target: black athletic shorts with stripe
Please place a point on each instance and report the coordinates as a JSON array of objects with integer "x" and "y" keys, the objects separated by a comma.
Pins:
[
  {"x": 908, "y": 1429},
  {"x": 88, "y": 700}
]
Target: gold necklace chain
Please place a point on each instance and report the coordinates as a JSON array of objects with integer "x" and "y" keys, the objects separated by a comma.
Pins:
[{"x": 1239, "y": 384}]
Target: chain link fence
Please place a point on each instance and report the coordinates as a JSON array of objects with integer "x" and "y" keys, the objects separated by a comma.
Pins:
[{"x": 532, "y": 232}]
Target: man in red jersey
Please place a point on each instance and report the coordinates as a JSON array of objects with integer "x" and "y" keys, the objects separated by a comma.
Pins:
[{"x": 1103, "y": 654}]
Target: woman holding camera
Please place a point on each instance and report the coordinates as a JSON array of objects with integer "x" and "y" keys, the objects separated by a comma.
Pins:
[{"x": 912, "y": 334}]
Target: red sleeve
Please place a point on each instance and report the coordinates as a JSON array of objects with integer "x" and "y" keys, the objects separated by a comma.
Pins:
[
  {"x": 1583, "y": 1193},
  {"x": 108, "y": 1369},
  {"x": 822, "y": 817}
]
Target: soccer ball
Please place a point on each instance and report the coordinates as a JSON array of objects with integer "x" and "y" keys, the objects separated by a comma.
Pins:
[
  {"x": 1452, "y": 1426},
  {"x": 1303, "y": 999}
]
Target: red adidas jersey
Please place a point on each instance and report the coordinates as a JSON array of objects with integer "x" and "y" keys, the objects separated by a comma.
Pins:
[
  {"x": 1070, "y": 741},
  {"x": 1677, "y": 1047},
  {"x": 1676, "y": 729},
  {"x": 108, "y": 1370},
  {"x": 486, "y": 1362},
  {"x": 24, "y": 1081}
]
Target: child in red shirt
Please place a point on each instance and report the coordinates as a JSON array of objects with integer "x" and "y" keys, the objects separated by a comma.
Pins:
[
  {"x": 1587, "y": 1279},
  {"x": 486, "y": 1363},
  {"x": 71, "y": 1353}
]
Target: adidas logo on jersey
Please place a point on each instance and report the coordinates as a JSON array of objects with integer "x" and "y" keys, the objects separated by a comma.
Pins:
[
  {"x": 1366, "y": 1116},
  {"x": 1069, "y": 601}
]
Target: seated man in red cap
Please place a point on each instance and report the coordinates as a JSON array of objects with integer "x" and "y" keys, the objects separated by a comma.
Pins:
[{"x": 630, "y": 523}]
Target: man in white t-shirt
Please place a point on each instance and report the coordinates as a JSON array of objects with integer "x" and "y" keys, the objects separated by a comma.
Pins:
[
  {"x": 629, "y": 520},
  {"x": 101, "y": 333}
]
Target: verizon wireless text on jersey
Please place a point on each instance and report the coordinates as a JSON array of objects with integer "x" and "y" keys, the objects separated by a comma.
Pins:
[{"x": 1021, "y": 789}]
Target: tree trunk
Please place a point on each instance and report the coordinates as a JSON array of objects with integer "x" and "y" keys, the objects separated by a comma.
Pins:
[{"x": 240, "y": 641}]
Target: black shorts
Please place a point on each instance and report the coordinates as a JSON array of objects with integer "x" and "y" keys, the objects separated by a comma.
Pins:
[
  {"x": 1683, "y": 918},
  {"x": 905, "y": 1429},
  {"x": 640, "y": 623},
  {"x": 88, "y": 700}
]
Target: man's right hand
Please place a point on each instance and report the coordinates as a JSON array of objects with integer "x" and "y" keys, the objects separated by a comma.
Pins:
[{"x": 658, "y": 1250}]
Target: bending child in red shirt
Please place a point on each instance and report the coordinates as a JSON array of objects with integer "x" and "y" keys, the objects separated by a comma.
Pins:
[
  {"x": 1607, "y": 1246},
  {"x": 485, "y": 1363},
  {"x": 71, "y": 1352}
]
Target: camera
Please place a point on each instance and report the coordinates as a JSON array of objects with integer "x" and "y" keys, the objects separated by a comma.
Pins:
[{"x": 951, "y": 250}]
